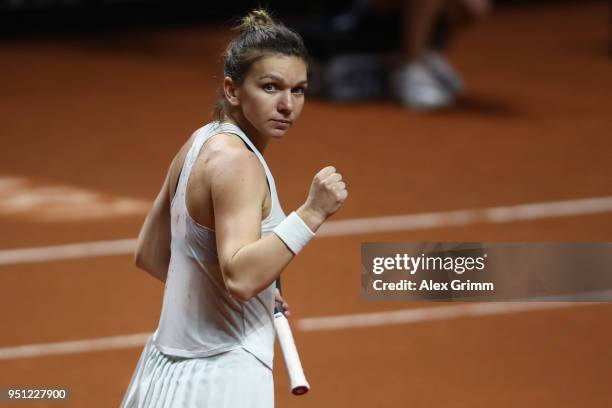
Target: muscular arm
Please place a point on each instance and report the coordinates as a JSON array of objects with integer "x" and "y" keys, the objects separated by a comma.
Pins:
[
  {"x": 237, "y": 181},
  {"x": 249, "y": 262}
]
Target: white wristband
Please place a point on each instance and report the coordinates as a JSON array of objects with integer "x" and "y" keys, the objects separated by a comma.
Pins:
[{"x": 294, "y": 232}]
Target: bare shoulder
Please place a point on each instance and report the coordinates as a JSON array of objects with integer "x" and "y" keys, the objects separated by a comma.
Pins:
[
  {"x": 220, "y": 150},
  {"x": 226, "y": 157},
  {"x": 226, "y": 175}
]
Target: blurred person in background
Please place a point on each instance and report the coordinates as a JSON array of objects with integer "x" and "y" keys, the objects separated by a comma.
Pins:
[
  {"x": 426, "y": 80},
  {"x": 378, "y": 48}
]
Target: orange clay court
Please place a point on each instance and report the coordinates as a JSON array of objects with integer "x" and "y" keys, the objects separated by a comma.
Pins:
[{"x": 94, "y": 122}]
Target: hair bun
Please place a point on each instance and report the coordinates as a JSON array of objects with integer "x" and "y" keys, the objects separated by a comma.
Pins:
[{"x": 255, "y": 19}]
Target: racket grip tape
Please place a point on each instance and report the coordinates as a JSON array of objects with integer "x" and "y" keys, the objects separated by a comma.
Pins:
[{"x": 297, "y": 379}]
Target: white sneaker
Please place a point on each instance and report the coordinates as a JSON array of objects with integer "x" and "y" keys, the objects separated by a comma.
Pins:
[
  {"x": 417, "y": 88},
  {"x": 444, "y": 72}
]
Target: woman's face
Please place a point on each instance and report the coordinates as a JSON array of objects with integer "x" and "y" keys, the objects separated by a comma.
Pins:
[{"x": 271, "y": 97}]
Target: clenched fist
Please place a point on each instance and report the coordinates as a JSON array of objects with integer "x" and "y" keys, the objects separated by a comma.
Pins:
[{"x": 327, "y": 193}]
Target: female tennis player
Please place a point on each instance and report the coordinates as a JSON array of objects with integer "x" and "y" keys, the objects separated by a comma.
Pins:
[{"x": 218, "y": 237}]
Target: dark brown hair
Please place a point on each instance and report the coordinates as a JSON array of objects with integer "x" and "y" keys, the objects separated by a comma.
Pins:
[{"x": 259, "y": 36}]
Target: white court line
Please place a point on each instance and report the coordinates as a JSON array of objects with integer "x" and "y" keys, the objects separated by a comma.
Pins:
[
  {"x": 492, "y": 215},
  {"x": 418, "y": 315},
  {"x": 73, "y": 347},
  {"x": 69, "y": 251},
  {"x": 405, "y": 316},
  {"x": 346, "y": 227}
]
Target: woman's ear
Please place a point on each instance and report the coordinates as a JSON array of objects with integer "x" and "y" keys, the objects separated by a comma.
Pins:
[{"x": 231, "y": 91}]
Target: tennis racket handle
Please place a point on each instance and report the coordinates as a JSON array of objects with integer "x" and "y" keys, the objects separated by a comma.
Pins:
[{"x": 297, "y": 379}]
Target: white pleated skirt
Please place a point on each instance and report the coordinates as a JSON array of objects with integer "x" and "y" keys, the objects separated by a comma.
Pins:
[{"x": 234, "y": 379}]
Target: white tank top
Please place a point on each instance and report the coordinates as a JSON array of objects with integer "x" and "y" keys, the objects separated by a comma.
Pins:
[{"x": 199, "y": 317}]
